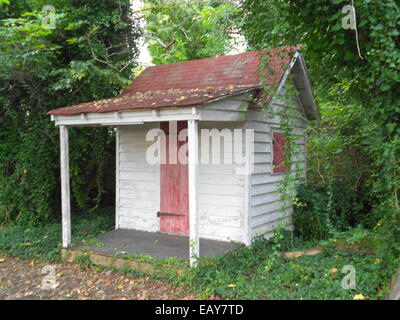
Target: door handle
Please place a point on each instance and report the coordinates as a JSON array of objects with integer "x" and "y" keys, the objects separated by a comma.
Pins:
[{"x": 159, "y": 214}]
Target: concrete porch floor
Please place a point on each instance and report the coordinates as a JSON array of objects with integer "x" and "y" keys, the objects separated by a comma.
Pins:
[{"x": 156, "y": 244}]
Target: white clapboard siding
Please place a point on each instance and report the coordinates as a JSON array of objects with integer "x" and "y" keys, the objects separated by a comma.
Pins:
[
  {"x": 267, "y": 230},
  {"x": 221, "y": 190},
  {"x": 138, "y": 186},
  {"x": 231, "y": 206},
  {"x": 265, "y": 205},
  {"x": 261, "y": 168},
  {"x": 262, "y": 220},
  {"x": 233, "y": 109},
  {"x": 220, "y": 211},
  {"x": 221, "y": 193}
]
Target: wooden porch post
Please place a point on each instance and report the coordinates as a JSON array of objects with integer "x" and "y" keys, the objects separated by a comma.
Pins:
[
  {"x": 117, "y": 133},
  {"x": 194, "y": 244},
  {"x": 65, "y": 189}
]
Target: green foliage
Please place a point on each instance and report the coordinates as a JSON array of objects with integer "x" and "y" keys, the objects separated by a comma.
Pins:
[
  {"x": 338, "y": 162},
  {"x": 362, "y": 93},
  {"x": 187, "y": 29},
  {"x": 242, "y": 274},
  {"x": 44, "y": 242},
  {"x": 310, "y": 216},
  {"x": 42, "y": 69},
  {"x": 83, "y": 260},
  {"x": 258, "y": 272}
]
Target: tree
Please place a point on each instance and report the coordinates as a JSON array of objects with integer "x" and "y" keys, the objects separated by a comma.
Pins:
[
  {"x": 360, "y": 66},
  {"x": 180, "y": 30},
  {"x": 89, "y": 55}
]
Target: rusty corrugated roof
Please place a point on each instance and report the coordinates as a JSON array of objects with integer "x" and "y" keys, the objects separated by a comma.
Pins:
[{"x": 189, "y": 83}]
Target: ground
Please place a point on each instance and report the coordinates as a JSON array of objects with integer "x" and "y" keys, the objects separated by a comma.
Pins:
[
  {"x": 258, "y": 272},
  {"x": 22, "y": 279}
]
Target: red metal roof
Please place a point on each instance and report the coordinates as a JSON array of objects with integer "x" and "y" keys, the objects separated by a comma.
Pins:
[{"x": 190, "y": 83}]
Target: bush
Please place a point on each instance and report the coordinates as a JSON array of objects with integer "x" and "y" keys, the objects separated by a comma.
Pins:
[
  {"x": 339, "y": 166},
  {"x": 310, "y": 216},
  {"x": 52, "y": 69}
]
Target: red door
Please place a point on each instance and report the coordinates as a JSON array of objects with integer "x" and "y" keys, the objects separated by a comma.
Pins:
[{"x": 174, "y": 197}]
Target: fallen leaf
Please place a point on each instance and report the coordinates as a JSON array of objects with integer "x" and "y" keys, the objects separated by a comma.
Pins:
[{"x": 182, "y": 98}]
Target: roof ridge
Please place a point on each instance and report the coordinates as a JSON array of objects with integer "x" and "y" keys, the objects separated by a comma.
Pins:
[{"x": 203, "y": 59}]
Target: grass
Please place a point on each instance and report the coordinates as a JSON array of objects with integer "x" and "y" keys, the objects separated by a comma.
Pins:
[{"x": 257, "y": 272}]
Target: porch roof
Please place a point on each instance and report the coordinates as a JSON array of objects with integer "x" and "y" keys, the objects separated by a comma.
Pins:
[{"x": 190, "y": 83}]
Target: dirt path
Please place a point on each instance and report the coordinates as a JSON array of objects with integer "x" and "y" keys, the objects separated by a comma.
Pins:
[{"x": 23, "y": 279}]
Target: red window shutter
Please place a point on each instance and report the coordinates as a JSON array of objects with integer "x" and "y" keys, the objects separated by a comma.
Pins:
[{"x": 278, "y": 143}]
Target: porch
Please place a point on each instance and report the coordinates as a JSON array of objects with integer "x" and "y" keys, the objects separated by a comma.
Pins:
[
  {"x": 191, "y": 193},
  {"x": 155, "y": 244}
]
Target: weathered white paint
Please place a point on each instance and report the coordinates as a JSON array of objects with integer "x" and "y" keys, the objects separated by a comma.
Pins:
[
  {"x": 227, "y": 202},
  {"x": 233, "y": 109},
  {"x": 193, "y": 145},
  {"x": 285, "y": 76},
  {"x": 221, "y": 203},
  {"x": 65, "y": 188},
  {"x": 138, "y": 181},
  {"x": 221, "y": 190},
  {"x": 247, "y": 187},
  {"x": 304, "y": 87},
  {"x": 265, "y": 206},
  {"x": 130, "y": 117},
  {"x": 117, "y": 180}
]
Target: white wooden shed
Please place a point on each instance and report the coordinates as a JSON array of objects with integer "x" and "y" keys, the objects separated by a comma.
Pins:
[{"x": 206, "y": 196}]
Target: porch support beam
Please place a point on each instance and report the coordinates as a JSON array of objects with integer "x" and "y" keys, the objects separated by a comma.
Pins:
[
  {"x": 117, "y": 145},
  {"x": 193, "y": 145},
  {"x": 65, "y": 188}
]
